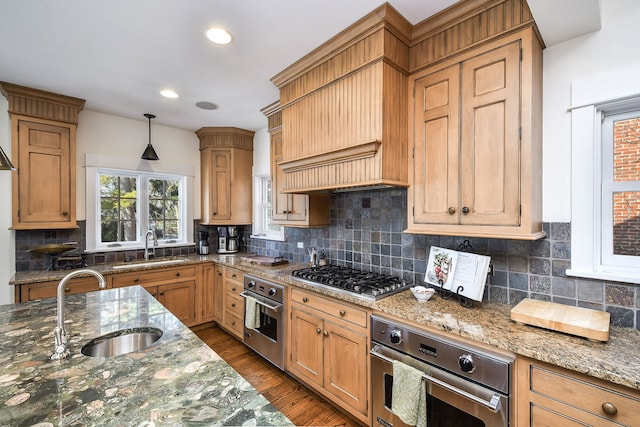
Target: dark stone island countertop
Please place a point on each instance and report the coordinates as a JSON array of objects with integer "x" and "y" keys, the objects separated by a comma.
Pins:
[
  {"x": 487, "y": 323},
  {"x": 178, "y": 381}
]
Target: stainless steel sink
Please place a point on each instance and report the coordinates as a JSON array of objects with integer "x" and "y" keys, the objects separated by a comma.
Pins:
[
  {"x": 122, "y": 342},
  {"x": 142, "y": 264}
]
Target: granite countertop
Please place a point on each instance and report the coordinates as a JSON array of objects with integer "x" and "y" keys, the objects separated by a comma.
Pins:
[
  {"x": 177, "y": 381},
  {"x": 488, "y": 323}
]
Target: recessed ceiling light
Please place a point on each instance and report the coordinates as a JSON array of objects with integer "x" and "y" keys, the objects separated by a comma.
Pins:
[
  {"x": 205, "y": 105},
  {"x": 168, "y": 93},
  {"x": 219, "y": 35}
]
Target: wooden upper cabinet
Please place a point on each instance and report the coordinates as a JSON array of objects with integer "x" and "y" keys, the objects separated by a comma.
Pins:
[
  {"x": 475, "y": 131},
  {"x": 226, "y": 161},
  {"x": 43, "y": 135},
  {"x": 291, "y": 210}
]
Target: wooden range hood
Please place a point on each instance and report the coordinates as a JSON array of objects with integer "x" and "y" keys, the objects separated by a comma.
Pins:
[{"x": 344, "y": 109}]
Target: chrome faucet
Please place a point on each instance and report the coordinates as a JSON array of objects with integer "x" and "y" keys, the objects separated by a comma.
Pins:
[
  {"x": 60, "y": 333},
  {"x": 147, "y": 253}
]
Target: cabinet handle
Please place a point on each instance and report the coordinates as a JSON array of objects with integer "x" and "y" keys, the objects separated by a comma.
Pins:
[
  {"x": 318, "y": 331},
  {"x": 609, "y": 408},
  {"x": 451, "y": 210},
  {"x": 233, "y": 304},
  {"x": 178, "y": 274},
  {"x": 465, "y": 210},
  {"x": 305, "y": 299},
  {"x": 326, "y": 333},
  {"x": 67, "y": 289},
  {"x": 65, "y": 213},
  {"x": 342, "y": 312}
]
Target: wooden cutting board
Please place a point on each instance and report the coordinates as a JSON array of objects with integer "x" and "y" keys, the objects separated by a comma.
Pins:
[
  {"x": 264, "y": 260},
  {"x": 583, "y": 322}
]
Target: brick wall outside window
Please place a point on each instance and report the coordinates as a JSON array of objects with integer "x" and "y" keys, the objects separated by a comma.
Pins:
[{"x": 626, "y": 205}]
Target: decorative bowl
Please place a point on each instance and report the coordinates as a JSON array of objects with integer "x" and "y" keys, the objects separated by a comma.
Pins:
[{"x": 422, "y": 293}]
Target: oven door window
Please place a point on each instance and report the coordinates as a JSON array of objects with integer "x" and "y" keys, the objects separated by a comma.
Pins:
[
  {"x": 268, "y": 323},
  {"x": 439, "y": 413}
]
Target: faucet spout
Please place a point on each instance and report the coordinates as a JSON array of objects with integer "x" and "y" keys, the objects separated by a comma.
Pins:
[
  {"x": 60, "y": 333},
  {"x": 148, "y": 253}
]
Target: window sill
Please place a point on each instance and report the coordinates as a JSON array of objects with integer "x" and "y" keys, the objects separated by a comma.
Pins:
[
  {"x": 138, "y": 248},
  {"x": 608, "y": 276}
]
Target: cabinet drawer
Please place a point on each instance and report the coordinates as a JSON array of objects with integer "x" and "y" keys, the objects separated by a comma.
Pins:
[
  {"x": 587, "y": 396},
  {"x": 234, "y": 323},
  {"x": 34, "y": 291},
  {"x": 153, "y": 276},
  {"x": 234, "y": 288},
  {"x": 234, "y": 304},
  {"x": 335, "y": 309},
  {"x": 233, "y": 274}
]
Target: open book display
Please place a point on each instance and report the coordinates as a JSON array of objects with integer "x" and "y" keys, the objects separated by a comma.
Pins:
[{"x": 461, "y": 273}]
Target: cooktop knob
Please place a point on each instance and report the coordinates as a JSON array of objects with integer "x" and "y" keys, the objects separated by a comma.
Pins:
[
  {"x": 272, "y": 292},
  {"x": 251, "y": 284},
  {"x": 395, "y": 336},
  {"x": 466, "y": 363}
]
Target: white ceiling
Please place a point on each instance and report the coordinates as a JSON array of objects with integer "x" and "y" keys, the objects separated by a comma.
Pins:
[{"x": 118, "y": 54}]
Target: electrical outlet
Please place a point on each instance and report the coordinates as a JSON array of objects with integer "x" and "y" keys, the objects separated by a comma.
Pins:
[{"x": 300, "y": 245}]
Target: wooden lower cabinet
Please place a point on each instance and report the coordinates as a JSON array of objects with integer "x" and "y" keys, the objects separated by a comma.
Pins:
[
  {"x": 205, "y": 303},
  {"x": 329, "y": 350},
  {"x": 233, "y": 314},
  {"x": 41, "y": 290},
  {"x": 218, "y": 293},
  {"x": 173, "y": 287},
  {"x": 550, "y": 396}
]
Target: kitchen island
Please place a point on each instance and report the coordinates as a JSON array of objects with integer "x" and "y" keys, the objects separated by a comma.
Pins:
[{"x": 177, "y": 381}]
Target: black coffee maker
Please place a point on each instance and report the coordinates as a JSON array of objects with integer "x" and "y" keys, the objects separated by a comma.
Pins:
[{"x": 203, "y": 242}]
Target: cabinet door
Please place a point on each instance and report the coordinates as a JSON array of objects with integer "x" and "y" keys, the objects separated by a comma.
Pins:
[
  {"x": 45, "y": 175},
  {"x": 490, "y": 141},
  {"x": 345, "y": 365},
  {"x": 179, "y": 299},
  {"x": 436, "y": 156},
  {"x": 220, "y": 185},
  {"x": 279, "y": 200},
  {"x": 207, "y": 298},
  {"x": 306, "y": 346},
  {"x": 218, "y": 298}
]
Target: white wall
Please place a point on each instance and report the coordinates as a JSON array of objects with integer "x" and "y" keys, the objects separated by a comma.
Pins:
[
  {"x": 613, "y": 47},
  {"x": 106, "y": 136},
  {"x": 7, "y": 237}
]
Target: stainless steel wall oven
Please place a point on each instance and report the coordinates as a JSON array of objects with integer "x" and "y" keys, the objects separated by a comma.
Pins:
[
  {"x": 264, "y": 318},
  {"x": 465, "y": 386}
]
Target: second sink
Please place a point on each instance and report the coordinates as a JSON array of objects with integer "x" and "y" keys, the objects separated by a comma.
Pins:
[{"x": 122, "y": 342}]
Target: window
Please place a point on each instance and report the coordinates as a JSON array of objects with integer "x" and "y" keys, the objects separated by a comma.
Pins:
[
  {"x": 128, "y": 203},
  {"x": 262, "y": 226},
  {"x": 605, "y": 217}
]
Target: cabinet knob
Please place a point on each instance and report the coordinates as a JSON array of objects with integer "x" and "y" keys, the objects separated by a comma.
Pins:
[
  {"x": 318, "y": 331},
  {"x": 342, "y": 312},
  {"x": 219, "y": 274},
  {"x": 326, "y": 334},
  {"x": 67, "y": 290},
  {"x": 214, "y": 213},
  {"x": 233, "y": 275},
  {"x": 284, "y": 212},
  {"x": 305, "y": 299},
  {"x": 609, "y": 408},
  {"x": 451, "y": 210},
  {"x": 65, "y": 213},
  {"x": 233, "y": 304},
  {"x": 162, "y": 293},
  {"x": 233, "y": 323},
  {"x": 136, "y": 280},
  {"x": 178, "y": 274},
  {"x": 465, "y": 210},
  {"x": 233, "y": 289}
]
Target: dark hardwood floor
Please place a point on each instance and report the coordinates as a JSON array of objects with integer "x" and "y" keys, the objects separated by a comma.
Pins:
[{"x": 302, "y": 406}]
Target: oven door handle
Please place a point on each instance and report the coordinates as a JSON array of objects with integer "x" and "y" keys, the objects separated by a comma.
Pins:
[
  {"x": 493, "y": 404},
  {"x": 272, "y": 307}
]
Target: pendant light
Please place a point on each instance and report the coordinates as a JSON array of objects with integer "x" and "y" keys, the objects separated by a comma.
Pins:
[
  {"x": 5, "y": 163},
  {"x": 149, "y": 152}
]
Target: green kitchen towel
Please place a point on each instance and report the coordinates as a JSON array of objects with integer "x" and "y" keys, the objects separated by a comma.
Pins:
[{"x": 409, "y": 395}]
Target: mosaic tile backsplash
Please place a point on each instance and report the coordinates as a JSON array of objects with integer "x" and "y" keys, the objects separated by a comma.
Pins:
[{"x": 366, "y": 234}]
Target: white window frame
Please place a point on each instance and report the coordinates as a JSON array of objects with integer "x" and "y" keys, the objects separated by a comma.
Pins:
[
  {"x": 593, "y": 97},
  {"x": 93, "y": 243},
  {"x": 261, "y": 196}
]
